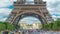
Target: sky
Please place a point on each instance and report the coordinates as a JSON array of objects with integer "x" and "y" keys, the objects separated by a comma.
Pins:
[
  {"x": 6, "y": 6},
  {"x": 29, "y": 20}
]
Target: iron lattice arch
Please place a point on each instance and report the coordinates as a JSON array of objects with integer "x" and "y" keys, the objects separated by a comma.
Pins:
[
  {"x": 18, "y": 18},
  {"x": 37, "y": 10}
]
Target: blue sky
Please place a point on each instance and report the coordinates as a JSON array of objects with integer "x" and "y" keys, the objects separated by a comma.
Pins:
[
  {"x": 29, "y": 20},
  {"x": 6, "y": 7}
]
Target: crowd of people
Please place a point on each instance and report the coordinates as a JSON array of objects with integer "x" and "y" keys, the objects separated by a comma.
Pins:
[
  {"x": 36, "y": 31},
  {"x": 33, "y": 31},
  {"x": 30, "y": 31}
]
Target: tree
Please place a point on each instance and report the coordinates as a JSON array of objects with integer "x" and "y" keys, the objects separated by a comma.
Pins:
[
  {"x": 6, "y": 26},
  {"x": 46, "y": 26},
  {"x": 2, "y": 26},
  {"x": 9, "y": 26},
  {"x": 53, "y": 26},
  {"x": 58, "y": 23}
]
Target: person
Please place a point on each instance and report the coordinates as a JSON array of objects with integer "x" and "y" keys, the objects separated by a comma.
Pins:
[
  {"x": 23, "y": 32},
  {"x": 27, "y": 32},
  {"x": 11, "y": 32},
  {"x": 19, "y": 31},
  {"x": 5, "y": 32}
]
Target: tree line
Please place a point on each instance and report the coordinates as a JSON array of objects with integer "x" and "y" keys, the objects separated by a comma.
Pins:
[
  {"x": 54, "y": 26},
  {"x": 6, "y": 26}
]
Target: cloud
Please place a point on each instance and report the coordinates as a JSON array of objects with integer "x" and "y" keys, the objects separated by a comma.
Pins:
[
  {"x": 4, "y": 12},
  {"x": 30, "y": 20},
  {"x": 7, "y": 0},
  {"x": 5, "y": 4},
  {"x": 53, "y": 7},
  {"x": 6, "y": 7}
]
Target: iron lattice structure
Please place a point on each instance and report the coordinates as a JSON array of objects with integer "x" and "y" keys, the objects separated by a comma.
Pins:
[{"x": 23, "y": 9}]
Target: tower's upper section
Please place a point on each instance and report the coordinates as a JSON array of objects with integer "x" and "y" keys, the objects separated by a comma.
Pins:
[{"x": 30, "y": 1}]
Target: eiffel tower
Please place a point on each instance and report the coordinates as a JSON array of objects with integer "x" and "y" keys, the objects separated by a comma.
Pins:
[{"x": 24, "y": 8}]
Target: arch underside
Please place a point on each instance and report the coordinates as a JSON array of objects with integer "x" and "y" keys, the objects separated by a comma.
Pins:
[
  {"x": 26, "y": 14},
  {"x": 18, "y": 18}
]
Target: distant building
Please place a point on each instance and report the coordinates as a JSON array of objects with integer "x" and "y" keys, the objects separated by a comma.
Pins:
[
  {"x": 31, "y": 26},
  {"x": 37, "y": 25}
]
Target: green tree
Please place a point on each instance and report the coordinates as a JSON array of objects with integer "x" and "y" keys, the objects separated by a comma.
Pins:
[
  {"x": 55, "y": 27},
  {"x": 6, "y": 26},
  {"x": 57, "y": 22},
  {"x": 51, "y": 26},
  {"x": 46, "y": 26},
  {"x": 2, "y": 26}
]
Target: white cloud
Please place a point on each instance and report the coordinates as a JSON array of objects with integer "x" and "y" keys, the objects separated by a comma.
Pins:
[
  {"x": 7, "y": 0},
  {"x": 29, "y": 20},
  {"x": 5, "y": 4},
  {"x": 2, "y": 19},
  {"x": 4, "y": 12},
  {"x": 53, "y": 7}
]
